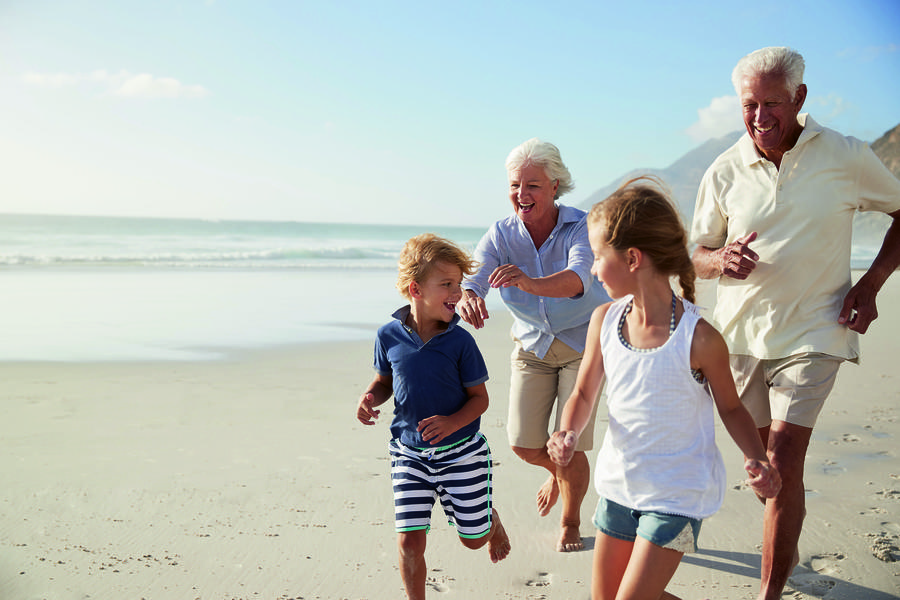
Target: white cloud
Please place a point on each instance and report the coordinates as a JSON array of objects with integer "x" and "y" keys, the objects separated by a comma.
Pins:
[
  {"x": 721, "y": 117},
  {"x": 148, "y": 86},
  {"x": 123, "y": 84}
]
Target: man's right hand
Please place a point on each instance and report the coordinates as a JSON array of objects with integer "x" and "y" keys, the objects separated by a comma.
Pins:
[{"x": 472, "y": 309}]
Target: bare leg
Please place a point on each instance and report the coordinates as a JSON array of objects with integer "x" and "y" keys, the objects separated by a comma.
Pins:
[
  {"x": 412, "y": 562},
  {"x": 611, "y": 556},
  {"x": 496, "y": 539},
  {"x": 783, "y": 522},
  {"x": 574, "y": 480},
  {"x": 571, "y": 483},
  {"x": 649, "y": 571},
  {"x": 636, "y": 569}
]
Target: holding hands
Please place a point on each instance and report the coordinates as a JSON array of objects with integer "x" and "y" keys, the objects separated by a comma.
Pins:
[
  {"x": 764, "y": 478},
  {"x": 561, "y": 447}
]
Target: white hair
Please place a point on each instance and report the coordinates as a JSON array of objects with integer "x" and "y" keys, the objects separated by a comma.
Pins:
[
  {"x": 768, "y": 61},
  {"x": 544, "y": 155}
]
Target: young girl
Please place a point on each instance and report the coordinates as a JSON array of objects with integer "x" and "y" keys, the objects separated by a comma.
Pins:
[{"x": 659, "y": 472}]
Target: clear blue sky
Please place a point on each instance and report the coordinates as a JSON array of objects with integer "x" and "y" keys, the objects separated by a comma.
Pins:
[{"x": 392, "y": 112}]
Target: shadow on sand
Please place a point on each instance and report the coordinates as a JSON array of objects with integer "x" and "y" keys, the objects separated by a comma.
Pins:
[{"x": 804, "y": 579}]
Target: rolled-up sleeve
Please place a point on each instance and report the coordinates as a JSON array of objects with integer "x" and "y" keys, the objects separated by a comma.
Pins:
[
  {"x": 487, "y": 254},
  {"x": 580, "y": 256}
]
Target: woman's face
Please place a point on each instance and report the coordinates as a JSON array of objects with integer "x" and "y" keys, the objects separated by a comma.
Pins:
[{"x": 531, "y": 193}]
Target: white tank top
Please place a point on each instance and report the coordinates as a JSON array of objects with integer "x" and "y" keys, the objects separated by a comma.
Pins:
[{"x": 659, "y": 452}]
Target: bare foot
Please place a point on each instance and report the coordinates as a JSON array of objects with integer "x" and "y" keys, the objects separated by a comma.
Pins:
[
  {"x": 498, "y": 546},
  {"x": 569, "y": 540},
  {"x": 547, "y": 496}
]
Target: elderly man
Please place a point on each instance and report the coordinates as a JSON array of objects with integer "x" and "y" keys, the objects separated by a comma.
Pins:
[{"x": 773, "y": 223}]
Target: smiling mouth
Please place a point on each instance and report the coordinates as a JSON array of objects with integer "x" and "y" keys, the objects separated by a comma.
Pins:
[
  {"x": 764, "y": 129},
  {"x": 526, "y": 207}
]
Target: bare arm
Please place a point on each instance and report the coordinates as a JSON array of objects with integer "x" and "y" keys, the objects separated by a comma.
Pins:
[
  {"x": 859, "y": 309},
  {"x": 378, "y": 392},
  {"x": 709, "y": 353},
  {"x": 564, "y": 284},
  {"x": 436, "y": 428},
  {"x": 580, "y": 404},
  {"x": 735, "y": 260}
]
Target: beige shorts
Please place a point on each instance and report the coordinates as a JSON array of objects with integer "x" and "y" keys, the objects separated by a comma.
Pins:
[
  {"x": 791, "y": 389},
  {"x": 535, "y": 385}
]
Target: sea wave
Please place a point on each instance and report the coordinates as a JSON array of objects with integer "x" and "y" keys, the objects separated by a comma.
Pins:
[{"x": 348, "y": 257}]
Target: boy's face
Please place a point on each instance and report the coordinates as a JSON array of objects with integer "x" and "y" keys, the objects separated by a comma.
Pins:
[{"x": 440, "y": 291}]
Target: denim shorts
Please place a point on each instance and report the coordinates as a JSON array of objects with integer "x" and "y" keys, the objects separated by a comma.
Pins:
[{"x": 667, "y": 531}]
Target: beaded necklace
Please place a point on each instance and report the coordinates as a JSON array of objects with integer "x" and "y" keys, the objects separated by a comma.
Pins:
[
  {"x": 627, "y": 310},
  {"x": 695, "y": 373}
]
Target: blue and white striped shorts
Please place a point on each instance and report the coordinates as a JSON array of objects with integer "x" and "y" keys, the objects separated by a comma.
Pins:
[{"x": 460, "y": 475}]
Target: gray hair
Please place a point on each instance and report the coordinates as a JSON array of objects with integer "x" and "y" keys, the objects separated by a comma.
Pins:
[
  {"x": 544, "y": 155},
  {"x": 767, "y": 61}
]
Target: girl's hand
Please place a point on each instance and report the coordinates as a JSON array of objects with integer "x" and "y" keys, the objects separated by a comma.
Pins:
[
  {"x": 365, "y": 413},
  {"x": 764, "y": 478},
  {"x": 561, "y": 447}
]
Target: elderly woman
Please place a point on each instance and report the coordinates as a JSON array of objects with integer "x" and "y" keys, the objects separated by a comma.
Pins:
[{"x": 540, "y": 260}]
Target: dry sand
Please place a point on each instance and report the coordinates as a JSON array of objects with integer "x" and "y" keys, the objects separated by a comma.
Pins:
[{"x": 251, "y": 479}]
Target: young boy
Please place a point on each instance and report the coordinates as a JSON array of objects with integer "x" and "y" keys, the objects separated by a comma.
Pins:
[{"x": 436, "y": 374}]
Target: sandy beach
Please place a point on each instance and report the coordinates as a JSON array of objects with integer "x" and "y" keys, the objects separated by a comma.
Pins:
[{"x": 249, "y": 478}]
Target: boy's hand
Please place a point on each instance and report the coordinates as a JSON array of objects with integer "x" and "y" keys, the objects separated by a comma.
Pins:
[
  {"x": 764, "y": 478},
  {"x": 436, "y": 428},
  {"x": 365, "y": 413},
  {"x": 561, "y": 447}
]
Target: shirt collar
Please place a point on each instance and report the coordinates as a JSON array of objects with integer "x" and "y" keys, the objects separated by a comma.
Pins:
[
  {"x": 750, "y": 156},
  {"x": 401, "y": 313}
]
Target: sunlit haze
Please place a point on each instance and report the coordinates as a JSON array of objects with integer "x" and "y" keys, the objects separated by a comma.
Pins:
[{"x": 392, "y": 112}]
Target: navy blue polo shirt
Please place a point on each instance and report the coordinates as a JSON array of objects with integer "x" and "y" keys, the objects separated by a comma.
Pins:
[{"x": 429, "y": 379}]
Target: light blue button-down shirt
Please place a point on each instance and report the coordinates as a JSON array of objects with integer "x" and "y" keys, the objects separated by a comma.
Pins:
[{"x": 538, "y": 320}]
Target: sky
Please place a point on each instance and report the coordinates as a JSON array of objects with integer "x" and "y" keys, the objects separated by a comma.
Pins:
[{"x": 392, "y": 112}]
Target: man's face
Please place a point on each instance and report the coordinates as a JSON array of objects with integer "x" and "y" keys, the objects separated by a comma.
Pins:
[{"x": 770, "y": 113}]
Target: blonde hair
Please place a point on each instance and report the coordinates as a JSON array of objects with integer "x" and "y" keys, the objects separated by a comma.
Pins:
[
  {"x": 419, "y": 255},
  {"x": 640, "y": 214}
]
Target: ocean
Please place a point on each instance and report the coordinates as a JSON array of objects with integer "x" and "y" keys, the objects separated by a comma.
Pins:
[
  {"x": 135, "y": 289},
  {"x": 130, "y": 289}
]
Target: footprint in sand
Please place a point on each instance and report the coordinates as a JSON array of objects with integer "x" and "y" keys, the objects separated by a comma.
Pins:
[
  {"x": 438, "y": 583},
  {"x": 831, "y": 467},
  {"x": 818, "y": 583},
  {"x": 542, "y": 580},
  {"x": 826, "y": 564}
]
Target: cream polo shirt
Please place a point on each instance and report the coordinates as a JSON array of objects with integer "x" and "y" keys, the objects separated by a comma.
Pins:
[{"x": 803, "y": 214}]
